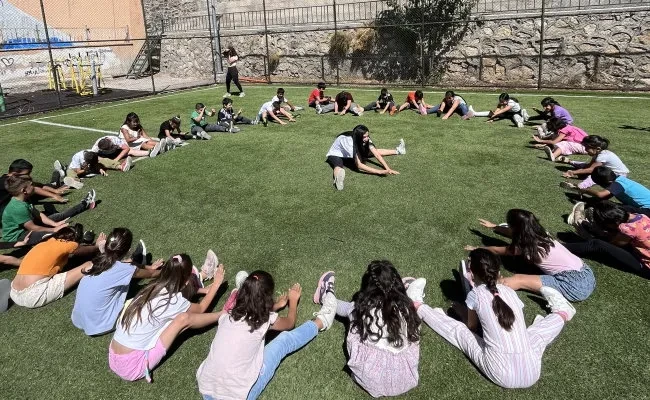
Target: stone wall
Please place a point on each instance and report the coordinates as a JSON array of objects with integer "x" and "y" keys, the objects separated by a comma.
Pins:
[{"x": 590, "y": 51}]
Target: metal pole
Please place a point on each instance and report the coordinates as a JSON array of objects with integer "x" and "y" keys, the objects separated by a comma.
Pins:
[
  {"x": 147, "y": 43},
  {"x": 49, "y": 50},
  {"x": 336, "y": 32},
  {"x": 422, "y": 49},
  {"x": 541, "y": 46},
  {"x": 214, "y": 69},
  {"x": 266, "y": 40}
]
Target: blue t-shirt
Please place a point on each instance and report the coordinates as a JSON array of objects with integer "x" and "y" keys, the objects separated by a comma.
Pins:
[
  {"x": 630, "y": 193},
  {"x": 100, "y": 299}
]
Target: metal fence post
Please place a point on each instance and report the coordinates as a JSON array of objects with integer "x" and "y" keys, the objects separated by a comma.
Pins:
[
  {"x": 49, "y": 50},
  {"x": 267, "y": 72},
  {"x": 541, "y": 46},
  {"x": 336, "y": 32},
  {"x": 147, "y": 43},
  {"x": 214, "y": 70},
  {"x": 421, "y": 37}
]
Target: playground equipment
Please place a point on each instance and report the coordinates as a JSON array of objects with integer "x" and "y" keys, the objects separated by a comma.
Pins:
[{"x": 84, "y": 74}]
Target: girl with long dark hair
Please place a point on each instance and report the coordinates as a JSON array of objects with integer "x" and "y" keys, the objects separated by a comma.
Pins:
[{"x": 232, "y": 75}]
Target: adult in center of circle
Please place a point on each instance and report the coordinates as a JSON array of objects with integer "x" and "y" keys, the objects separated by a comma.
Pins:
[{"x": 351, "y": 149}]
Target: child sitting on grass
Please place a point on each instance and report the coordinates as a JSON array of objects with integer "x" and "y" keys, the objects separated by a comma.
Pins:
[
  {"x": 134, "y": 134},
  {"x": 450, "y": 104},
  {"x": 39, "y": 281},
  {"x": 272, "y": 110},
  {"x": 114, "y": 153},
  {"x": 279, "y": 96},
  {"x": 19, "y": 217},
  {"x": 171, "y": 131},
  {"x": 102, "y": 290},
  {"x": 344, "y": 103},
  {"x": 384, "y": 103},
  {"x": 23, "y": 167},
  {"x": 507, "y": 108},
  {"x": 352, "y": 149},
  {"x": 84, "y": 163},
  {"x": 239, "y": 364},
  {"x": 383, "y": 341},
  {"x": 508, "y": 353},
  {"x": 227, "y": 117},
  {"x": 561, "y": 270},
  {"x": 198, "y": 124},
  {"x": 319, "y": 101},
  {"x": 568, "y": 140},
  {"x": 156, "y": 317},
  {"x": 596, "y": 147},
  {"x": 552, "y": 109},
  {"x": 415, "y": 101}
]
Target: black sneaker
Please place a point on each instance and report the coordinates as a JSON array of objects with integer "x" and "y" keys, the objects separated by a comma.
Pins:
[
  {"x": 88, "y": 237},
  {"x": 139, "y": 255}
]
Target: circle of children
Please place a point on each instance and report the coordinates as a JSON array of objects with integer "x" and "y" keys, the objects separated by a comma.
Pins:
[{"x": 385, "y": 314}]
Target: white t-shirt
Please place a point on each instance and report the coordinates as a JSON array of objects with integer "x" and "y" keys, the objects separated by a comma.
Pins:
[
  {"x": 235, "y": 359},
  {"x": 268, "y": 107},
  {"x": 77, "y": 160},
  {"x": 514, "y": 106},
  {"x": 114, "y": 139},
  {"x": 343, "y": 147},
  {"x": 611, "y": 161},
  {"x": 132, "y": 134},
  {"x": 144, "y": 334},
  {"x": 276, "y": 98},
  {"x": 458, "y": 98}
]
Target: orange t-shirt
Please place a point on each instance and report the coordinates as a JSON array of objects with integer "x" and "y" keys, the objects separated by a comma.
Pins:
[
  {"x": 47, "y": 258},
  {"x": 410, "y": 97}
]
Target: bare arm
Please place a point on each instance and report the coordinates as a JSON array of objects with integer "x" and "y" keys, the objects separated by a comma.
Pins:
[
  {"x": 347, "y": 107},
  {"x": 472, "y": 320},
  {"x": 499, "y": 111},
  {"x": 32, "y": 227},
  {"x": 143, "y": 273},
  {"x": 49, "y": 194},
  {"x": 205, "y": 302},
  {"x": 380, "y": 159},
  {"x": 452, "y": 109},
  {"x": 289, "y": 322},
  {"x": 370, "y": 170},
  {"x": 124, "y": 153},
  {"x": 275, "y": 118},
  {"x": 601, "y": 194},
  {"x": 557, "y": 140}
]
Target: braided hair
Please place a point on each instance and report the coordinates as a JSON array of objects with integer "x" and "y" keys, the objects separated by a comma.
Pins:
[
  {"x": 382, "y": 304},
  {"x": 485, "y": 266}
]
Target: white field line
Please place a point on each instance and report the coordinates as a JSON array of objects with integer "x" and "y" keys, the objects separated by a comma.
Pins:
[
  {"x": 122, "y": 103},
  {"x": 81, "y": 128}
]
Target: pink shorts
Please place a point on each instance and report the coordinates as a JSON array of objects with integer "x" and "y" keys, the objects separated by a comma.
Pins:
[
  {"x": 569, "y": 148},
  {"x": 132, "y": 366}
]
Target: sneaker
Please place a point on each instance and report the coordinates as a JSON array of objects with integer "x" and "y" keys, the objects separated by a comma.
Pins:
[
  {"x": 58, "y": 166},
  {"x": 325, "y": 285},
  {"x": 540, "y": 132},
  {"x": 466, "y": 277},
  {"x": 549, "y": 153},
  {"x": 520, "y": 124},
  {"x": 415, "y": 290},
  {"x": 88, "y": 237},
  {"x": 139, "y": 255},
  {"x": 319, "y": 109},
  {"x": 557, "y": 303},
  {"x": 154, "y": 152},
  {"x": 339, "y": 179},
  {"x": 327, "y": 312},
  {"x": 126, "y": 164},
  {"x": 265, "y": 121},
  {"x": 407, "y": 280},
  {"x": 209, "y": 265},
  {"x": 163, "y": 145},
  {"x": 569, "y": 186},
  {"x": 298, "y": 108},
  {"x": 401, "y": 147},
  {"x": 234, "y": 129},
  {"x": 72, "y": 182},
  {"x": 91, "y": 196},
  {"x": 563, "y": 159},
  {"x": 56, "y": 179},
  {"x": 226, "y": 95},
  {"x": 240, "y": 278},
  {"x": 242, "y": 94},
  {"x": 255, "y": 121},
  {"x": 577, "y": 214},
  {"x": 525, "y": 115},
  {"x": 205, "y": 136},
  {"x": 231, "y": 301}
]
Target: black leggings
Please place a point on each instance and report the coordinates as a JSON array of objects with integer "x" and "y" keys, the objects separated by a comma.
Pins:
[
  {"x": 233, "y": 75},
  {"x": 608, "y": 254},
  {"x": 37, "y": 237}
]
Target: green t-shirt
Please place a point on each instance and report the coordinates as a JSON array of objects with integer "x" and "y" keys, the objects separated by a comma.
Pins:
[
  {"x": 195, "y": 114},
  {"x": 16, "y": 214}
]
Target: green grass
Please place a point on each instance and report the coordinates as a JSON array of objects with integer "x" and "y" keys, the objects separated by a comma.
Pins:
[{"x": 263, "y": 199}]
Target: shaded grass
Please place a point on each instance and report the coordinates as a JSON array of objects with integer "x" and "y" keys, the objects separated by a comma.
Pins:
[{"x": 263, "y": 199}]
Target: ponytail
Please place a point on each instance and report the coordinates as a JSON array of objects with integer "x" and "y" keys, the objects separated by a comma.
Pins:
[
  {"x": 485, "y": 266},
  {"x": 501, "y": 309},
  {"x": 118, "y": 244}
]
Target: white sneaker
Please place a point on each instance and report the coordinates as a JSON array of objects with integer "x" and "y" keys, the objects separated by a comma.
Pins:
[
  {"x": 466, "y": 278},
  {"x": 577, "y": 214},
  {"x": 242, "y": 94},
  {"x": 557, "y": 302},
  {"x": 319, "y": 109},
  {"x": 240, "y": 278},
  {"x": 154, "y": 152},
  {"x": 298, "y": 108},
  {"x": 163, "y": 145},
  {"x": 540, "y": 132},
  {"x": 204, "y": 135},
  {"x": 549, "y": 153},
  {"x": 72, "y": 182},
  {"x": 525, "y": 115},
  {"x": 401, "y": 147},
  {"x": 339, "y": 179},
  {"x": 126, "y": 164},
  {"x": 520, "y": 124},
  {"x": 415, "y": 290},
  {"x": 327, "y": 311},
  {"x": 226, "y": 95},
  {"x": 59, "y": 167},
  {"x": 470, "y": 109},
  {"x": 91, "y": 196},
  {"x": 209, "y": 265}
]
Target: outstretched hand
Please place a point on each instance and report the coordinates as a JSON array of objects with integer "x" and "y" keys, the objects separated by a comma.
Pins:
[
  {"x": 487, "y": 224},
  {"x": 470, "y": 248},
  {"x": 294, "y": 293}
]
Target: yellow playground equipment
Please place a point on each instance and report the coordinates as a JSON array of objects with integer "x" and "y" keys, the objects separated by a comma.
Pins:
[{"x": 84, "y": 74}]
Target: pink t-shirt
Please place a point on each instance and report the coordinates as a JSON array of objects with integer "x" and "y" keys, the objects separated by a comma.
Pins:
[
  {"x": 235, "y": 359},
  {"x": 637, "y": 228},
  {"x": 573, "y": 134},
  {"x": 559, "y": 259}
]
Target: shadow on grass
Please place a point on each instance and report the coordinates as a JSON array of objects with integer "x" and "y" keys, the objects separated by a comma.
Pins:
[
  {"x": 564, "y": 168},
  {"x": 635, "y": 128}
]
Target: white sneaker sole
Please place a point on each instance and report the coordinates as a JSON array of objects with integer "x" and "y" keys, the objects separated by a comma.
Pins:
[
  {"x": 339, "y": 180},
  {"x": 73, "y": 183}
]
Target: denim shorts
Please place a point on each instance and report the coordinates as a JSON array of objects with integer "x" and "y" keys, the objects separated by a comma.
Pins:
[{"x": 574, "y": 285}]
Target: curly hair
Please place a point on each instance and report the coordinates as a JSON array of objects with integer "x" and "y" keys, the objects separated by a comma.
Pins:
[{"x": 382, "y": 303}]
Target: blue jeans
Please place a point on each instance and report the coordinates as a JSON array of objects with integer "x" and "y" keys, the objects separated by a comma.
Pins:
[
  {"x": 286, "y": 343},
  {"x": 461, "y": 109}
]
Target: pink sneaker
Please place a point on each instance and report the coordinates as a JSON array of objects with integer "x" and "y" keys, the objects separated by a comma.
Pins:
[
  {"x": 325, "y": 284},
  {"x": 232, "y": 300}
]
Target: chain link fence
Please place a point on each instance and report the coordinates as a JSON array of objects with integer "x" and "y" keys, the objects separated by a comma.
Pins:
[{"x": 63, "y": 53}]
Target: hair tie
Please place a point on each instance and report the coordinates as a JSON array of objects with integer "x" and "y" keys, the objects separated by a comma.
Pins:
[
  {"x": 255, "y": 277},
  {"x": 496, "y": 294},
  {"x": 178, "y": 258},
  {"x": 111, "y": 239}
]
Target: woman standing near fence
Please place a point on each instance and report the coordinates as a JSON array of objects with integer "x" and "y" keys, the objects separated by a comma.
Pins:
[{"x": 232, "y": 75}]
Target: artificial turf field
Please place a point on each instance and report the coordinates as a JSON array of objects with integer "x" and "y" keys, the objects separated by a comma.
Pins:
[{"x": 263, "y": 199}]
